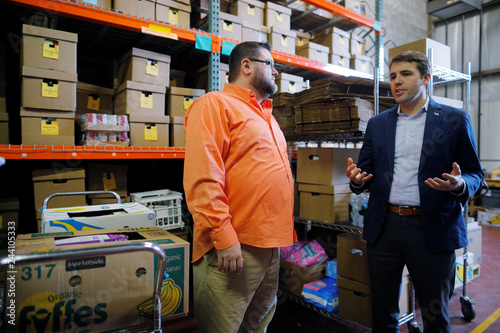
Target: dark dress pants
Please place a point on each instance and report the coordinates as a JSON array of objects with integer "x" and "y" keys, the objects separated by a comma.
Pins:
[{"x": 402, "y": 242}]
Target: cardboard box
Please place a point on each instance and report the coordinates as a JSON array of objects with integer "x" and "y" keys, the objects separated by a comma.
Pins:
[
  {"x": 324, "y": 166},
  {"x": 230, "y": 26},
  {"x": 3, "y": 96},
  {"x": 253, "y": 32},
  {"x": 440, "y": 52},
  {"x": 489, "y": 217},
  {"x": 340, "y": 60},
  {"x": 314, "y": 51},
  {"x": 336, "y": 39},
  {"x": 110, "y": 199},
  {"x": 293, "y": 277},
  {"x": 4, "y": 128},
  {"x": 173, "y": 12},
  {"x": 177, "y": 78},
  {"x": 303, "y": 38},
  {"x": 288, "y": 83},
  {"x": 449, "y": 101},
  {"x": 48, "y": 49},
  {"x": 50, "y": 181},
  {"x": 115, "y": 290},
  {"x": 474, "y": 236},
  {"x": 357, "y": 45},
  {"x": 93, "y": 99},
  {"x": 281, "y": 39},
  {"x": 361, "y": 63},
  {"x": 139, "y": 98},
  {"x": 352, "y": 261},
  {"x": 251, "y": 10},
  {"x": 473, "y": 270},
  {"x": 203, "y": 4},
  {"x": 180, "y": 99},
  {"x": 48, "y": 89},
  {"x": 149, "y": 131},
  {"x": 277, "y": 16},
  {"x": 104, "y": 4},
  {"x": 9, "y": 216},
  {"x": 139, "y": 8},
  {"x": 177, "y": 134},
  {"x": 202, "y": 77},
  {"x": 124, "y": 215},
  {"x": 107, "y": 177},
  {"x": 325, "y": 203},
  {"x": 144, "y": 66},
  {"x": 47, "y": 127}
]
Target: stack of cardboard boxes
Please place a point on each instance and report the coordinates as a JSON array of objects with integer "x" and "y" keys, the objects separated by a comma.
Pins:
[
  {"x": 143, "y": 78},
  {"x": 322, "y": 184},
  {"x": 4, "y": 116},
  {"x": 48, "y": 96},
  {"x": 179, "y": 100}
]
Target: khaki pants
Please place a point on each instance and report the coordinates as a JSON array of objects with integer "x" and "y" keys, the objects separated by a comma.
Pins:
[{"x": 226, "y": 302}]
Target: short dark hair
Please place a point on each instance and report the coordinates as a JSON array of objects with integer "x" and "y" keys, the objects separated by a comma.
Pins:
[
  {"x": 242, "y": 51},
  {"x": 423, "y": 63}
]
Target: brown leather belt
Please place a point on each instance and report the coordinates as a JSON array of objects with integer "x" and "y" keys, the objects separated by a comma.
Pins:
[{"x": 404, "y": 210}]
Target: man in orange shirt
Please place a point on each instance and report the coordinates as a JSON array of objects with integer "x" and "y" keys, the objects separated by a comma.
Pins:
[{"x": 239, "y": 189}]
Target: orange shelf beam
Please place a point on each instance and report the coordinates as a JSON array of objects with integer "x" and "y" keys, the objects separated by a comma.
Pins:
[
  {"x": 345, "y": 13},
  {"x": 42, "y": 152},
  {"x": 87, "y": 12}
]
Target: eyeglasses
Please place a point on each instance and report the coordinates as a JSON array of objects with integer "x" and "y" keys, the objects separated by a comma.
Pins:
[{"x": 266, "y": 62}]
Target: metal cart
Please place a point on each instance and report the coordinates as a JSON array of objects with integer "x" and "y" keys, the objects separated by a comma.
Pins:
[{"x": 9, "y": 265}]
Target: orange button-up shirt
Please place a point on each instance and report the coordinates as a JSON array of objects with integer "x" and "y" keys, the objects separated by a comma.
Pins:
[{"x": 237, "y": 176}]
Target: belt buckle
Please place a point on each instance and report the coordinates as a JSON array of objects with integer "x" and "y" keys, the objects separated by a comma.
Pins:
[{"x": 399, "y": 209}]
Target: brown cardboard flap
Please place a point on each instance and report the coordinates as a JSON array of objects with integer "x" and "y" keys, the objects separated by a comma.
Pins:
[
  {"x": 49, "y": 74},
  {"x": 29, "y": 112},
  {"x": 324, "y": 189},
  {"x": 139, "y": 118},
  {"x": 51, "y": 174},
  {"x": 146, "y": 54},
  {"x": 186, "y": 91},
  {"x": 134, "y": 85}
]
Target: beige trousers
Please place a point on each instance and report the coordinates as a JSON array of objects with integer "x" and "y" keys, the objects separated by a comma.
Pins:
[{"x": 230, "y": 303}]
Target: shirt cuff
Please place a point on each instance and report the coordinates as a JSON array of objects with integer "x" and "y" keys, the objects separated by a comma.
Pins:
[
  {"x": 457, "y": 194},
  {"x": 224, "y": 238},
  {"x": 355, "y": 185}
]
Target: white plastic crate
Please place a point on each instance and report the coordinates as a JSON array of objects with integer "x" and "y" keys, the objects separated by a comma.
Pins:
[{"x": 166, "y": 204}]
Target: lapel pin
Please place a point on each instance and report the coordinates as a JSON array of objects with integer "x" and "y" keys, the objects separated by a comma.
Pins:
[{"x": 436, "y": 114}]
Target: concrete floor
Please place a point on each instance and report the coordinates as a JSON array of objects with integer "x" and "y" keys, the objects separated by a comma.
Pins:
[{"x": 291, "y": 317}]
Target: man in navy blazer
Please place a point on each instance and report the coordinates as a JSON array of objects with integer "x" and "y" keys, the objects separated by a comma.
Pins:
[{"x": 420, "y": 163}]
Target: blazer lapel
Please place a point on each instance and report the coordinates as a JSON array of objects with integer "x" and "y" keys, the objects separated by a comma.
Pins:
[
  {"x": 431, "y": 132},
  {"x": 390, "y": 136}
]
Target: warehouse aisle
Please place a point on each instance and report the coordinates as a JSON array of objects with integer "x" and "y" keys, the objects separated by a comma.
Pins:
[{"x": 291, "y": 317}]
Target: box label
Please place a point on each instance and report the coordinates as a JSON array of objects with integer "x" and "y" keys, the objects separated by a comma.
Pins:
[
  {"x": 50, "y": 88},
  {"x": 187, "y": 102},
  {"x": 173, "y": 16},
  {"x": 284, "y": 40},
  {"x": 146, "y": 100},
  {"x": 50, "y": 49},
  {"x": 108, "y": 181},
  {"x": 93, "y": 102},
  {"x": 85, "y": 263},
  {"x": 150, "y": 132},
  {"x": 251, "y": 10},
  {"x": 279, "y": 16},
  {"x": 49, "y": 127},
  {"x": 152, "y": 67},
  {"x": 228, "y": 26}
]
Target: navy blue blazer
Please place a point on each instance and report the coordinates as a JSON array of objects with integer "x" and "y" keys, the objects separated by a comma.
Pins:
[{"x": 448, "y": 138}]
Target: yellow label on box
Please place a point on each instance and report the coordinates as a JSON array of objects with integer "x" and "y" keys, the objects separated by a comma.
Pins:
[
  {"x": 279, "y": 16},
  {"x": 49, "y": 127},
  {"x": 50, "y": 49},
  {"x": 300, "y": 41},
  {"x": 228, "y": 26},
  {"x": 108, "y": 181},
  {"x": 150, "y": 133},
  {"x": 284, "y": 40},
  {"x": 1, "y": 222},
  {"x": 146, "y": 100},
  {"x": 251, "y": 10},
  {"x": 152, "y": 67},
  {"x": 359, "y": 47},
  {"x": 341, "y": 40},
  {"x": 364, "y": 66},
  {"x": 342, "y": 61},
  {"x": 292, "y": 87},
  {"x": 50, "y": 89},
  {"x": 173, "y": 16},
  {"x": 93, "y": 102},
  {"x": 187, "y": 102}
]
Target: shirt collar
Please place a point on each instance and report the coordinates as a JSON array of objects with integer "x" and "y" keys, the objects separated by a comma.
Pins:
[
  {"x": 423, "y": 109},
  {"x": 246, "y": 94}
]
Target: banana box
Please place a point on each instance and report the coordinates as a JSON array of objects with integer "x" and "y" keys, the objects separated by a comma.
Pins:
[
  {"x": 101, "y": 293},
  {"x": 123, "y": 215}
]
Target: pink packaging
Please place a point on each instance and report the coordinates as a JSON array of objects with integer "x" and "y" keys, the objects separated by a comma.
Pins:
[
  {"x": 309, "y": 255},
  {"x": 285, "y": 252},
  {"x": 102, "y": 119}
]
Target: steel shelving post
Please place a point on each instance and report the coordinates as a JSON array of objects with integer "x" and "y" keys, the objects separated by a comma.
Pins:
[{"x": 214, "y": 59}]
